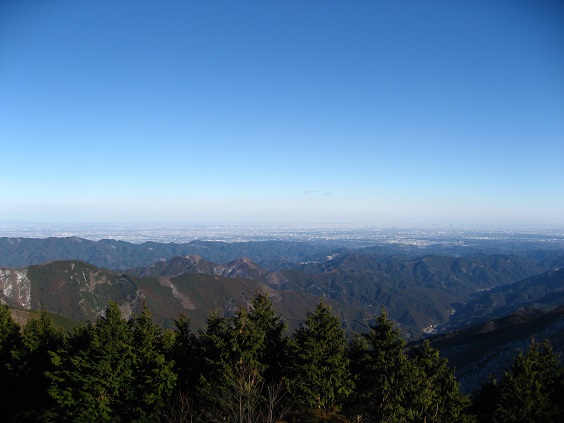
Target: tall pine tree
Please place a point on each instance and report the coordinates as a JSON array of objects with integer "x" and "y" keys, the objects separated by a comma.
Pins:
[
  {"x": 437, "y": 397},
  {"x": 274, "y": 349},
  {"x": 40, "y": 339},
  {"x": 153, "y": 374},
  {"x": 533, "y": 389},
  {"x": 95, "y": 372},
  {"x": 319, "y": 369},
  {"x": 383, "y": 374},
  {"x": 10, "y": 351},
  {"x": 185, "y": 355},
  {"x": 217, "y": 356}
]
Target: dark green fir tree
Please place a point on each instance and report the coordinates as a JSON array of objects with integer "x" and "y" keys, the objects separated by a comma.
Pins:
[
  {"x": 384, "y": 377},
  {"x": 319, "y": 370},
  {"x": 94, "y": 373},
  {"x": 154, "y": 378},
  {"x": 217, "y": 356},
  {"x": 533, "y": 389},
  {"x": 185, "y": 355},
  {"x": 10, "y": 355},
  {"x": 40, "y": 340},
  {"x": 437, "y": 397}
]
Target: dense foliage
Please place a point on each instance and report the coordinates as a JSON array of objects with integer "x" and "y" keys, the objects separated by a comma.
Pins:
[
  {"x": 246, "y": 368},
  {"x": 532, "y": 390}
]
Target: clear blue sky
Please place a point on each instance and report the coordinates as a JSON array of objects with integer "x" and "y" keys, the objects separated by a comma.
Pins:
[{"x": 359, "y": 112}]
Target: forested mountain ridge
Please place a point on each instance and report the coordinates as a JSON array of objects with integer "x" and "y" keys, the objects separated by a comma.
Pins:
[
  {"x": 418, "y": 293},
  {"x": 242, "y": 268}
]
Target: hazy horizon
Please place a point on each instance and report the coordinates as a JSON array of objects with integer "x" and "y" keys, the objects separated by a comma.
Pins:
[
  {"x": 315, "y": 232},
  {"x": 365, "y": 113}
]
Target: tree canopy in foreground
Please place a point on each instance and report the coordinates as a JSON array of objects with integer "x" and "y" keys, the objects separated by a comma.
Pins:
[{"x": 246, "y": 368}]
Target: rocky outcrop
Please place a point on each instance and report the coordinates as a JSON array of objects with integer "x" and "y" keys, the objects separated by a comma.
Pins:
[{"x": 15, "y": 287}]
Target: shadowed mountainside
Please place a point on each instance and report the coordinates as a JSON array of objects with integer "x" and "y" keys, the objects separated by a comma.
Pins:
[
  {"x": 543, "y": 291},
  {"x": 489, "y": 348}
]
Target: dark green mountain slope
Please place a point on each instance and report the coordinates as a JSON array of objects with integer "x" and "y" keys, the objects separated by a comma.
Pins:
[
  {"x": 471, "y": 272},
  {"x": 81, "y": 291},
  {"x": 418, "y": 293},
  {"x": 75, "y": 289}
]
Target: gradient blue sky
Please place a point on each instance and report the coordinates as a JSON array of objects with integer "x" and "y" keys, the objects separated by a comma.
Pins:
[{"x": 363, "y": 112}]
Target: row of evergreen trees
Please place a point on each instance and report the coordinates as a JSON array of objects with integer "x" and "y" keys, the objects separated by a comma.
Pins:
[{"x": 246, "y": 368}]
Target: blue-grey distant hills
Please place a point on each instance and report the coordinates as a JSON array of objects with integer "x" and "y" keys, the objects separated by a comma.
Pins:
[
  {"x": 273, "y": 255},
  {"x": 121, "y": 255}
]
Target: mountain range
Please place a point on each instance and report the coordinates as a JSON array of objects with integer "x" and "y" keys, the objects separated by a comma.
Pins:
[
  {"x": 477, "y": 309},
  {"x": 272, "y": 255},
  {"x": 423, "y": 294}
]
